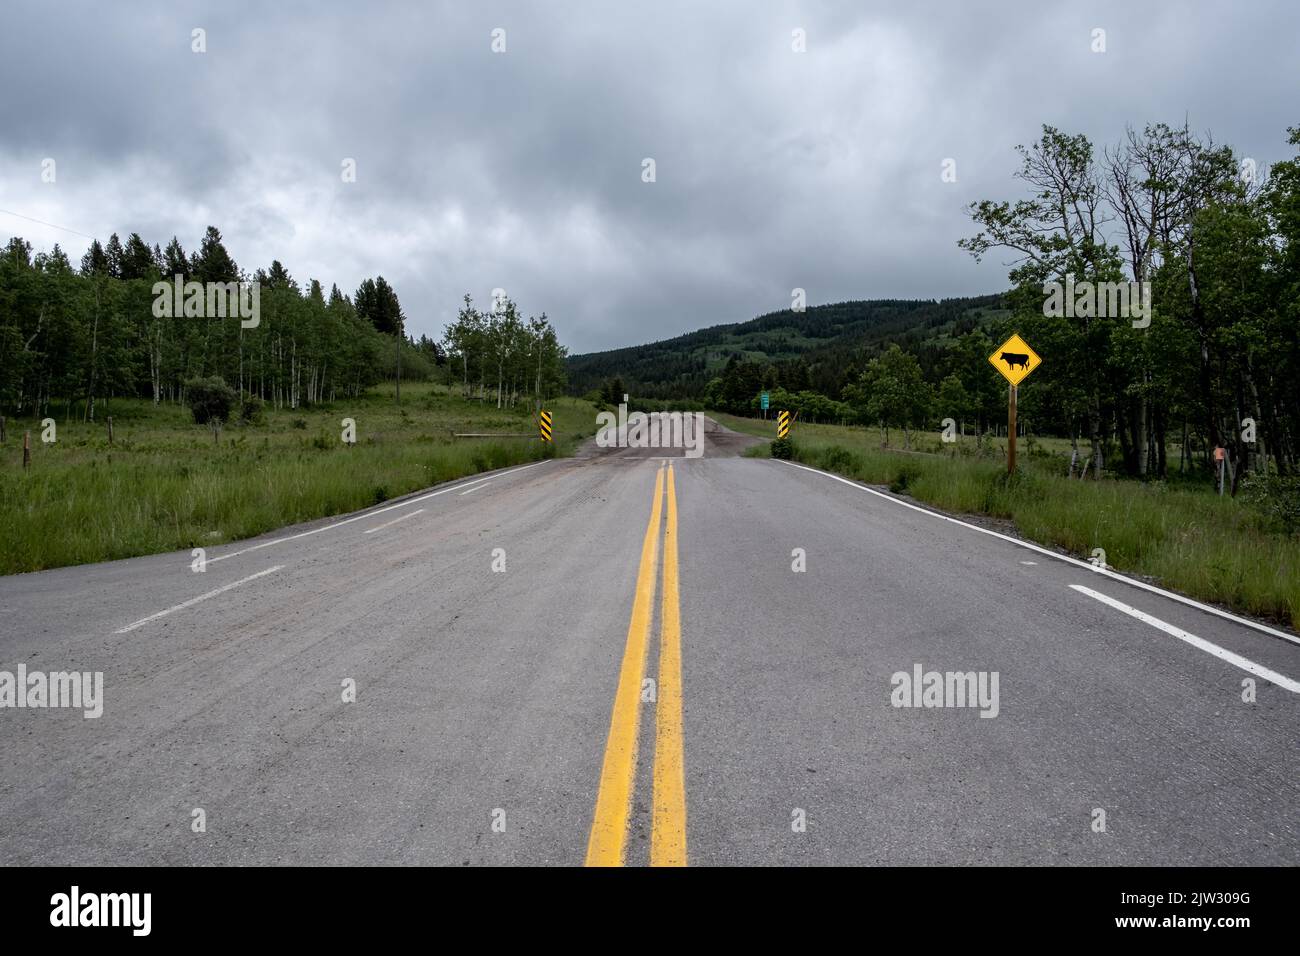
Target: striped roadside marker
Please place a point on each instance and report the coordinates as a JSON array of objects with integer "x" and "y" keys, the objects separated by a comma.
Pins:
[
  {"x": 544, "y": 425},
  {"x": 782, "y": 424}
]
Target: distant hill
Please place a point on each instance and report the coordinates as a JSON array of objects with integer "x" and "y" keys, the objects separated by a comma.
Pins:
[{"x": 833, "y": 340}]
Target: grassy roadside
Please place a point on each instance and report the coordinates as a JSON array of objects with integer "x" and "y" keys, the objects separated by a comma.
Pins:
[
  {"x": 1183, "y": 537},
  {"x": 166, "y": 485}
]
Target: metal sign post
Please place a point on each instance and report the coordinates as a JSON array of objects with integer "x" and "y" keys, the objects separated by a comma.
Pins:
[{"x": 1011, "y": 431}]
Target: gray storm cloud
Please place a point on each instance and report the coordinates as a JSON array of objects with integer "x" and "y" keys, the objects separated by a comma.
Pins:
[{"x": 522, "y": 169}]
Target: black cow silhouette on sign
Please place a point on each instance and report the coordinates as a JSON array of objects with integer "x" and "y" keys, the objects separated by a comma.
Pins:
[{"x": 1015, "y": 358}]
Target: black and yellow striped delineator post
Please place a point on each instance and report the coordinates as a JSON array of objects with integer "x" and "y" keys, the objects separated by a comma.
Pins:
[
  {"x": 782, "y": 424},
  {"x": 544, "y": 425}
]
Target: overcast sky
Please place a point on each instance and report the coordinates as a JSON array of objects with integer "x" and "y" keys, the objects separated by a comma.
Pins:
[{"x": 522, "y": 170}]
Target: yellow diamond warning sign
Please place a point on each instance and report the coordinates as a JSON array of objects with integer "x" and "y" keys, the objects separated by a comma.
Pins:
[{"x": 1015, "y": 359}]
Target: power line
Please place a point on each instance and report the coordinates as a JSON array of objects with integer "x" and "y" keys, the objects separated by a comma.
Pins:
[{"x": 42, "y": 222}]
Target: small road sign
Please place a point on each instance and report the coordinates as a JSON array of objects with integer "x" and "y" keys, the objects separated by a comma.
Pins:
[
  {"x": 782, "y": 424},
  {"x": 763, "y": 401},
  {"x": 1014, "y": 359},
  {"x": 544, "y": 424}
]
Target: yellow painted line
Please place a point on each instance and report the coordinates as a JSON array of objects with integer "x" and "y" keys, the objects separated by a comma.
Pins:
[
  {"x": 605, "y": 845},
  {"x": 668, "y": 832}
]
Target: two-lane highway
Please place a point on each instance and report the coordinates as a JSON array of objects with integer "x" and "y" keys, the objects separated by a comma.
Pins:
[{"x": 622, "y": 657}]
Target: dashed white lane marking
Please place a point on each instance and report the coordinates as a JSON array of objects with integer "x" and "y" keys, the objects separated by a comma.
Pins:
[
  {"x": 1033, "y": 563},
  {"x": 369, "y": 514},
  {"x": 470, "y": 491},
  {"x": 202, "y": 597},
  {"x": 1249, "y": 666},
  {"x": 1106, "y": 572},
  {"x": 387, "y": 524}
]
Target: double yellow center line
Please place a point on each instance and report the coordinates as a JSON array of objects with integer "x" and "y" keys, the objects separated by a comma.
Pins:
[{"x": 607, "y": 843}]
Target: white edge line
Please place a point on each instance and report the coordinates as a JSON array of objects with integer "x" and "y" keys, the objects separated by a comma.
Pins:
[
  {"x": 1249, "y": 666},
  {"x": 1131, "y": 582},
  {"x": 477, "y": 483},
  {"x": 409, "y": 514},
  {"x": 201, "y": 597},
  {"x": 371, "y": 514}
]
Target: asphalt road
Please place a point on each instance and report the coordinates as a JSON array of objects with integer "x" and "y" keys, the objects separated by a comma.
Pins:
[{"x": 647, "y": 679}]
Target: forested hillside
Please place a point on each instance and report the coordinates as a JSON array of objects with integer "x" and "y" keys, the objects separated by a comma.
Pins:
[{"x": 818, "y": 349}]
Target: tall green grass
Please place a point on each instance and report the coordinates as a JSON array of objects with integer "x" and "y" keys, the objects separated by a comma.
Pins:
[
  {"x": 165, "y": 484},
  {"x": 1184, "y": 537}
]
